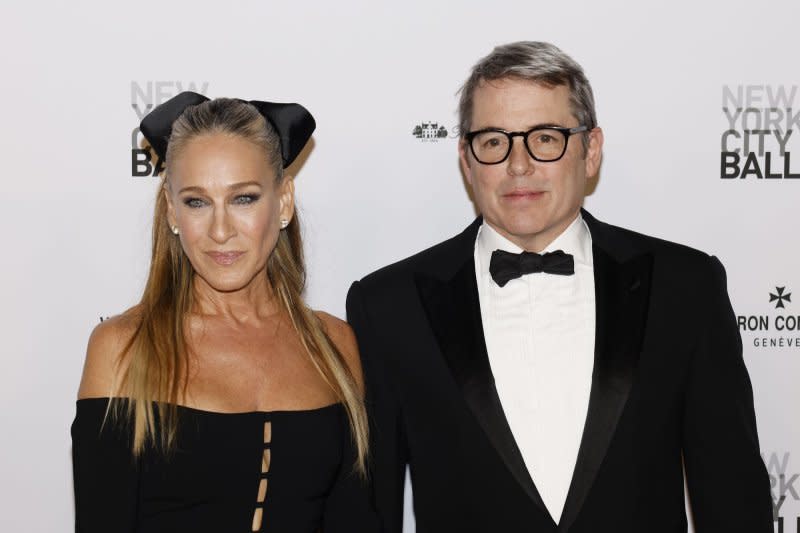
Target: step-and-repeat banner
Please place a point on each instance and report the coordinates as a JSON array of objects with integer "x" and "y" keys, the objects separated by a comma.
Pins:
[{"x": 699, "y": 102}]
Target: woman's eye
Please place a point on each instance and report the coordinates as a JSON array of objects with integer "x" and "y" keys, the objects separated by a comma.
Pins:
[
  {"x": 245, "y": 199},
  {"x": 193, "y": 202}
]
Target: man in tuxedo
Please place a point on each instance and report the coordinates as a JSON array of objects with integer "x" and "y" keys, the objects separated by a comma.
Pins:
[{"x": 544, "y": 371}]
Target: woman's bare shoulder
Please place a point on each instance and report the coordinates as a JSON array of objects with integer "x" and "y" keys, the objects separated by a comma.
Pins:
[
  {"x": 104, "y": 361},
  {"x": 343, "y": 337}
]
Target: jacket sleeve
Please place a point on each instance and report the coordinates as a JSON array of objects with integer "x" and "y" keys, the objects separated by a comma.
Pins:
[
  {"x": 348, "y": 507},
  {"x": 388, "y": 449},
  {"x": 105, "y": 473},
  {"x": 728, "y": 484}
]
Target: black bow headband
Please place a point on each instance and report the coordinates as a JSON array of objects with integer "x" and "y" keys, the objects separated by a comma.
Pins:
[{"x": 293, "y": 123}]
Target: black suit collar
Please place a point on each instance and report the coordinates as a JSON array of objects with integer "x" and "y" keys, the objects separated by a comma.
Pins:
[
  {"x": 453, "y": 311},
  {"x": 622, "y": 274},
  {"x": 622, "y": 281}
]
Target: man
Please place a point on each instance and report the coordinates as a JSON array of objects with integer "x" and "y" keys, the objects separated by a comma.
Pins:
[{"x": 566, "y": 391}]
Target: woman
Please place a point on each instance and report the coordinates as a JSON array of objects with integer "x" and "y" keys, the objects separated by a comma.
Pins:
[{"x": 221, "y": 402}]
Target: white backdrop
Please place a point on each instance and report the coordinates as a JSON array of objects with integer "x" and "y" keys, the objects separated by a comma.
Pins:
[{"x": 76, "y": 221}]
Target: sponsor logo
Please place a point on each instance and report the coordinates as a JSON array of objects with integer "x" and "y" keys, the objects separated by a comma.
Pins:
[
  {"x": 433, "y": 132},
  {"x": 780, "y": 297},
  {"x": 762, "y": 125},
  {"x": 773, "y": 329},
  {"x": 144, "y": 97}
]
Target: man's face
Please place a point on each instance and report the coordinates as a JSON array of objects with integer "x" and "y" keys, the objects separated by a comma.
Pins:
[{"x": 527, "y": 201}]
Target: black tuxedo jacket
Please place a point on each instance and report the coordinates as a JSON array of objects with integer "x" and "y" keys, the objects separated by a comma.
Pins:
[{"x": 669, "y": 391}]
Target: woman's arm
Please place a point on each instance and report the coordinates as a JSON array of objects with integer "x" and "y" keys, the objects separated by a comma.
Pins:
[{"x": 105, "y": 472}]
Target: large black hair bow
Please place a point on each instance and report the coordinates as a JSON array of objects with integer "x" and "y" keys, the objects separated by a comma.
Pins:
[{"x": 293, "y": 123}]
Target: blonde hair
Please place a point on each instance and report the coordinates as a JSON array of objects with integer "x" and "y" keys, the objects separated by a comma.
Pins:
[{"x": 156, "y": 355}]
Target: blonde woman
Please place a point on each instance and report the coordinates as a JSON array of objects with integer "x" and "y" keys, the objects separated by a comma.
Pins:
[{"x": 221, "y": 402}]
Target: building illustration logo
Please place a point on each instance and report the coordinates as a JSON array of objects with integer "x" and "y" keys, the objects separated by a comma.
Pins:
[{"x": 429, "y": 131}]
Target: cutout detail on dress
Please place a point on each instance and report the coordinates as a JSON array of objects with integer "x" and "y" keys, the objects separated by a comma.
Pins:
[
  {"x": 262, "y": 491},
  {"x": 258, "y": 514}
]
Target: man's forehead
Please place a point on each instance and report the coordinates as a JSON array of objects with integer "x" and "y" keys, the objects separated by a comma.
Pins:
[
  {"x": 506, "y": 81},
  {"x": 523, "y": 99}
]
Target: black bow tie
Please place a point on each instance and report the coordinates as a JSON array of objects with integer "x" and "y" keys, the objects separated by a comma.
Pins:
[{"x": 506, "y": 266}]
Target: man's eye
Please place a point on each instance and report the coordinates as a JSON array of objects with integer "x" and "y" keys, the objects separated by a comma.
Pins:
[
  {"x": 246, "y": 199},
  {"x": 495, "y": 142},
  {"x": 193, "y": 202}
]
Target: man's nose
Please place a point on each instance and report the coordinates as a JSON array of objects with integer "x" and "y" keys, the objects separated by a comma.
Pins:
[{"x": 520, "y": 161}]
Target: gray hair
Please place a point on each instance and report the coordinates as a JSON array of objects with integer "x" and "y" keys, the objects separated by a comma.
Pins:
[
  {"x": 231, "y": 116},
  {"x": 538, "y": 62}
]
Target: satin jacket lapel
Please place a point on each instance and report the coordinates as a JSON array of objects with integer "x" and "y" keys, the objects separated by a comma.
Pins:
[
  {"x": 621, "y": 297},
  {"x": 453, "y": 311}
]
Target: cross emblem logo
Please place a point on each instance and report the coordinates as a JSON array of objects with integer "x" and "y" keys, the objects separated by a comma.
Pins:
[{"x": 780, "y": 297}]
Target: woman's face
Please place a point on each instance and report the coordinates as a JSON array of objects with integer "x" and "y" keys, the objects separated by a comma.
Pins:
[{"x": 223, "y": 199}]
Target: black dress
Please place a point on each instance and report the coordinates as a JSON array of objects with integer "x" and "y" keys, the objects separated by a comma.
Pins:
[{"x": 282, "y": 471}]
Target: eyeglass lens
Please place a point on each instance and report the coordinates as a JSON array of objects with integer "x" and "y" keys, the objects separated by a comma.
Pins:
[{"x": 494, "y": 146}]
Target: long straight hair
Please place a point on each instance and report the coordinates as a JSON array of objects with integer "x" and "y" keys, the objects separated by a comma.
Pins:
[{"x": 156, "y": 371}]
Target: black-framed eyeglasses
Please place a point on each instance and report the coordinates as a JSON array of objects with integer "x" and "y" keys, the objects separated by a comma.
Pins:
[{"x": 491, "y": 146}]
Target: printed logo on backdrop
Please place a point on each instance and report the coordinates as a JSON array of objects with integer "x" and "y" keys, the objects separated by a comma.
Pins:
[
  {"x": 781, "y": 297},
  {"x": 144, "y": 97},
  {"x": 434, "y": 131},
  {"x": 762, "y": 127},
  {"x": 775, "y": 327},
  {"x": 785, "y": 490}
]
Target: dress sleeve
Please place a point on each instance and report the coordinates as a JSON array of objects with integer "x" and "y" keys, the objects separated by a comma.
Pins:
[
  {"x": 348, "y": 507},
  {"x": 105, "y": 473}
]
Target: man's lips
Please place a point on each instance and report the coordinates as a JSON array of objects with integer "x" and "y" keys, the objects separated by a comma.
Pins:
[
  {"x": 225, "y": 258},
  {"x": 523, "y": 194}
]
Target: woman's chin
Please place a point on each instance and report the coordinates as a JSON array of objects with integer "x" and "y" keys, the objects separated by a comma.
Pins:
[{"x": 230, "y": 282}]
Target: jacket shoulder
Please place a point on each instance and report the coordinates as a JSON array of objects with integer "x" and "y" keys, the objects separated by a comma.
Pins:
[
  {"x": 441, "y": 260},
  {"x": 627, "y": 242}
]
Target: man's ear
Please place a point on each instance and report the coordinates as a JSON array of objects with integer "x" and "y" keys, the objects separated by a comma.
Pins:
[
  {"x": 286, "y": 197},
  {"x": 594, "y": 152},
  {"x": 463, "y": 160}
]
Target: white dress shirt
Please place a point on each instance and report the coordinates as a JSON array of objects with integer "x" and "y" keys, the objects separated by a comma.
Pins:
[{"x": 540, "y": 332}]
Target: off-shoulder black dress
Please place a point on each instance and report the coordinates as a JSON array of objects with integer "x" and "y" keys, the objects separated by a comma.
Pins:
[{"x": 282, "y": 471}]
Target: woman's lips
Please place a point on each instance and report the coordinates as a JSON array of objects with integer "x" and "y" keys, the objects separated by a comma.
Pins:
[{"x": 225, "y": 258}]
